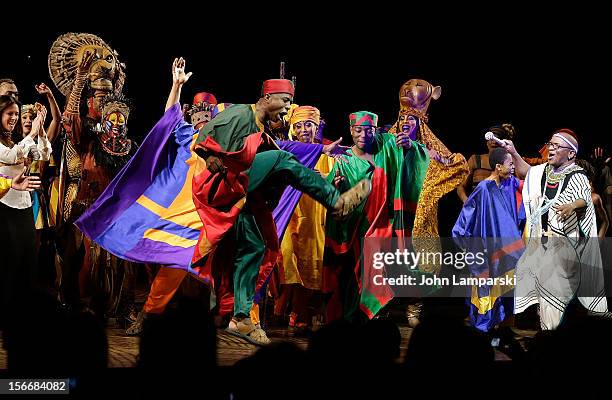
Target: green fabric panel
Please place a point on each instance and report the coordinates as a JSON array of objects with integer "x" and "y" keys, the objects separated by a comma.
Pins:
[{"x": 230, "y": 127}]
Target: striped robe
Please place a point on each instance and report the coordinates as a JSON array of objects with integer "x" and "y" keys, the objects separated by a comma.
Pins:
[{"x": 564, "y": 260}]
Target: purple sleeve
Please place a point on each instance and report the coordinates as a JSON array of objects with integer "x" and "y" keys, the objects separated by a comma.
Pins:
[{"x": 307, "y": 154}]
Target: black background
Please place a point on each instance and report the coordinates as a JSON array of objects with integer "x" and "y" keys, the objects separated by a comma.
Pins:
[{"x": 539, "y": 72}]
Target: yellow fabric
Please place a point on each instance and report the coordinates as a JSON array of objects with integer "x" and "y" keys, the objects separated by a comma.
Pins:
[
  {"x": 302, "y": 113},
  {"x": 485, "y": 304},
  {"x": 53, "y": 201},
  {"x": 5, "y": 185},
  {"x": 39, "y": 218},
  {"x": 181, "y": 211},
  {"x": 37, "y": 167},
  {"x": 305, "y": 113},
  {"x": 169, "y": 238},
  {"x": 304, "y": 239},
  {"x": 259, "y": 124}
]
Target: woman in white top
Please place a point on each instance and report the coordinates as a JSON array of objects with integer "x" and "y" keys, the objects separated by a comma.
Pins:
[
  {"x": 17, "y": 233},
  {"x": 42, "y": 168}
]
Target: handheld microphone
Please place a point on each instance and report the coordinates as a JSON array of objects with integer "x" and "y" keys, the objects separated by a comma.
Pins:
[{"x": 491, "y": 136}]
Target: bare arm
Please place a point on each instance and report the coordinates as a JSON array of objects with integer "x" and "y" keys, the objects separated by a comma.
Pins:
[
  {"x": 74, "y": 99},
  {"x": 43, "y": 144},
  {"x": 56, "y": 114},
  {"x": 602, "y": 215},
  {"x": 174, "y": 96},
  {"x": 179, "y": 78},
  {"x": 520, "y": 166},
  {"x": 71, "y": 121}
]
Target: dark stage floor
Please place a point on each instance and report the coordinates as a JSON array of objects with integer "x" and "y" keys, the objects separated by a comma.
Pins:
[{"x": 123, "y": 350}]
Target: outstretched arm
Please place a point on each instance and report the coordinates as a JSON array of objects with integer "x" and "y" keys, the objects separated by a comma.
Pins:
[
  {"x": 19, "y": 182},
  {"x": 520, "y": 166},
  {"x": 179, "y": 78}
]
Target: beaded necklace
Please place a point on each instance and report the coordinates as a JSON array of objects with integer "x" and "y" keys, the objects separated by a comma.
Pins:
[{"x": 553, "y": 177}]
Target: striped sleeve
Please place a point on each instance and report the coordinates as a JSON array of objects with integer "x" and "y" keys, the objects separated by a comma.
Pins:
[{"x": 580, "y": 188}]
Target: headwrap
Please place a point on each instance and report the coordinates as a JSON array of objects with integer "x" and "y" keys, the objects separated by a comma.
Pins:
[
  {"x": 278, "y": 86},
  {"x": 31, "y": 108},
  {"x": 408, "y": 106},
  {"x": 569, "y": 132},
  {"x": 28, "y": 108},
  {"x": 302, "y": 113},
  {"x": 361, "y": 118},
  {"x": 203, "y": 97},
  {"x": 569, "y": 142},
  {"x": 305, "y": 113}
]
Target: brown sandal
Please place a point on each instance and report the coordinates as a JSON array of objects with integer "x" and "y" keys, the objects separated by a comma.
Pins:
[
  {"x": 351, "y": 199},
  {"x": 248, "y": 331}
]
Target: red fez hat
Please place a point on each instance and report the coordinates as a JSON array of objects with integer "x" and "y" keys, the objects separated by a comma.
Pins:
[
  {"x": 204, "y": 97},
  {"x": 278, "y": 86}
]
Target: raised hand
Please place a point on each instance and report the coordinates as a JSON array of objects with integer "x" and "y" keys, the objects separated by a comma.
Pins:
[
  {"x": 41, "y": 88},
  {"x": 599, "y": 157},
  {"x": 42, "y": 111},
  {"x": 179, "y": 77},
  {"x": 402, "y": 139},
  {"x": 508, "y": 145},
  {"x": 597, "y": 153},
  {"x": 38, "y": 123},
  {"x": 86, "y": 61}
]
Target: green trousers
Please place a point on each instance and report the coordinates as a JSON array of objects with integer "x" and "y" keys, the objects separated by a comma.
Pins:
[{"x": 269, "y": 175}]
